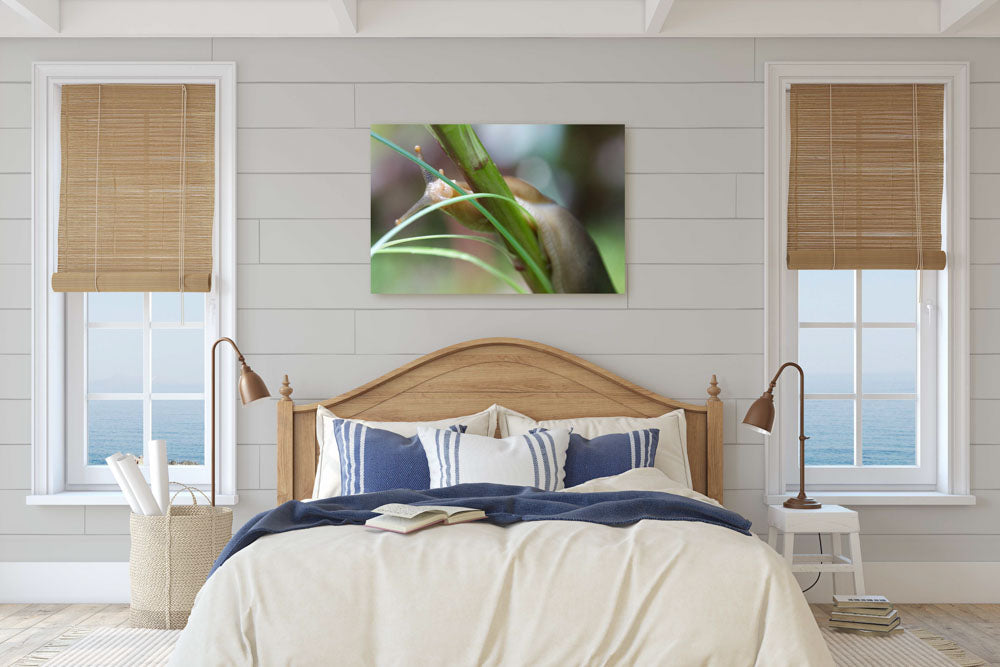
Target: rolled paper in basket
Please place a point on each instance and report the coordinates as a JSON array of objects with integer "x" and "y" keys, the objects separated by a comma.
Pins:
[
  {"x": 122, "y": 483},
  {"x": 158, "y": 474},
  {"x": 147, "y": 503}
]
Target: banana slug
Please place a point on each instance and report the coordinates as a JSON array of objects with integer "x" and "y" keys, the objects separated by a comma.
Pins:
[{"x": 574, "y": 260}]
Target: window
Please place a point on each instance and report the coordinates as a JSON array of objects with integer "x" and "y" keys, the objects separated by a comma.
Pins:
[
  {"x": 861, "y": 337},
  {"x": 885, "y": 352},
  {"x": 137, "y": 369},
  {"x": 113, "y": 369}
]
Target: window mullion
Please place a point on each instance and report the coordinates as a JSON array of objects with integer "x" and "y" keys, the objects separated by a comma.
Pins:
[{"x": 858, "y": 389}]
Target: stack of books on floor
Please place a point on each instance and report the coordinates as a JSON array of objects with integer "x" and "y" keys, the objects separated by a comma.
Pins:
[{"x": 864, "y": 613}]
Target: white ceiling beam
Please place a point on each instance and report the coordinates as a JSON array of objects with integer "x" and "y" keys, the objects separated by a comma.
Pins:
[
  {"x": 347, "y": 14},
  {"x": 656, "y": 15},
  {"x": 958, "y": 14},
  {"x": 802, "y": 18},
  {"x": 44, "y": 13}
]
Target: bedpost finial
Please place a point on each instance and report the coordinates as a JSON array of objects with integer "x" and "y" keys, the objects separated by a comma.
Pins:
[
  {"x": 713, "y": 389},
  {"x": 286, "y": 389}
]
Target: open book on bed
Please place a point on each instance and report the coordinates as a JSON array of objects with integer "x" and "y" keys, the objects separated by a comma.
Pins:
[{"x": 402, "y": 518}]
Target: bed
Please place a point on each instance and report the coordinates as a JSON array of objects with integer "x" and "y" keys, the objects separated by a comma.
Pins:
[{"x": 544, "y": 592}]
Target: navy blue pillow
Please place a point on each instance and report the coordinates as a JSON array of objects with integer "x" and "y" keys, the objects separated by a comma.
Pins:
[
  {"x": 372, "y": 459},
  {"x": 610, "y": 454}
]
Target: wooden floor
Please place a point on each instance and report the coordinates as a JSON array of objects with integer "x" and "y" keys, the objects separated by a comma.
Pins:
[
  {"x": 26, "y": 627},
  {"x": 974, "y": 627}
]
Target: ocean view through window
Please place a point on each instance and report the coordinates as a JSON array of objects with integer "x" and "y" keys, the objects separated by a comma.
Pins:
[
  {"x": 145, "y": 374},
  {"x": 858, "y": 341}
]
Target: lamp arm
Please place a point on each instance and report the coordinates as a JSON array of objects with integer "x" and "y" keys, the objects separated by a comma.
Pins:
[
  {"x": 239, "y": 355},
  {"x": 781, "y": 368},
  {"x": 242, "y": 361},
  {"x": 802, "y": 422},
  {"x": 802, "y": 394}
]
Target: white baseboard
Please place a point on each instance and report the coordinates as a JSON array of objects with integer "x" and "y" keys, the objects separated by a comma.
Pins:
[
  {"x": 962, "y": 582},
  {"x": 55, "y": 582}
]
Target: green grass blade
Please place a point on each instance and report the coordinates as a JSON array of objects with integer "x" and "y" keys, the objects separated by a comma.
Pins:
[
  {"x": 468, "y": 237},
  {"x": 421, "y": 213},
  {"x": 540, "y": 275},
  {"x": 455, "y": 254}
]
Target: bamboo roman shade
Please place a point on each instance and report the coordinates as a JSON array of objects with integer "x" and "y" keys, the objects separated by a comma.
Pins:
[
  {"x": 866, "y": 176},
  {"x": 137, "y": 195}
]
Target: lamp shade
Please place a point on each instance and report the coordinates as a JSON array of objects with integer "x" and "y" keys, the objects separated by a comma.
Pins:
[
  {"x": 252, "y": 387},
  {"x": 760, "y": 416}
]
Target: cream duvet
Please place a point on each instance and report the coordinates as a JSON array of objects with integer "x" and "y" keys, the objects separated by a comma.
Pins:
[{"x": 540, "y": 593}]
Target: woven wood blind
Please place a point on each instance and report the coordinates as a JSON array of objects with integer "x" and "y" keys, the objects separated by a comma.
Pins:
[
  {"x": 137, "y": 194},
  {"x": 866, "y": 176}
]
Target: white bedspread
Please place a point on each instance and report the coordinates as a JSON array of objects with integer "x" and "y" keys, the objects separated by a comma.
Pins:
[{"x": 539, "y": 593}]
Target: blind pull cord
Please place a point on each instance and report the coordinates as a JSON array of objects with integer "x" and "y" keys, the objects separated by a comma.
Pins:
[
  {"x": 97, "y": 188},
  {"x": 916, "y": 184},
  {"x": 180, "y": 240},
  {"x": 833, "y": 205}
]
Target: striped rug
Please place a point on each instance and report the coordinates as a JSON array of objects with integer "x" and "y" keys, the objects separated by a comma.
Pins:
[
  {"x": 100, "y": 647},
  {"x": 914, "y": 648}
]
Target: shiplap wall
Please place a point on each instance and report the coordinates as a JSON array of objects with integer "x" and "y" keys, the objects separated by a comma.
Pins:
[{"x": 694, "y": 113}]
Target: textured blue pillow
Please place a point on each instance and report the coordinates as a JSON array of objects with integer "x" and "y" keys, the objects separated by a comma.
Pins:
[
  {"x": 610, "y": 454},
  {"x": 372, "y": 459}
]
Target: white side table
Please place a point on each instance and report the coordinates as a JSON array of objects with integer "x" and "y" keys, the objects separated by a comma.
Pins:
[{"x": 832, "y": 519}]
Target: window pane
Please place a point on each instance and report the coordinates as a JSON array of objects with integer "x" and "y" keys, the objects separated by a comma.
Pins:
[
  {"x": 114, "y": 307},
  {"x": 194, "y": 306},
  {"x": 888, "y": 432},
  {"x": 178, "y": 360},
  {"x": 166, "y": 307},
  {"x": 889, "y": 361},
  {"x": 889, "y": 296},
  {"x": 114, "y": 360},
  {"x": 826, "y": 296},
  {"x": 182, "y": 425},
  {"x": 830, "y": 427},
  {"x": 113, "y": 426},
  {"x": 827, "y": 357}
]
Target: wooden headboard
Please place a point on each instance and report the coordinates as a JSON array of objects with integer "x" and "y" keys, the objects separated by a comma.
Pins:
[{"x": 540, "y": 381}]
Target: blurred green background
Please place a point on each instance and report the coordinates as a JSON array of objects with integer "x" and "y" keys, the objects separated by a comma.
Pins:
[{"x": 581, "y": 167}]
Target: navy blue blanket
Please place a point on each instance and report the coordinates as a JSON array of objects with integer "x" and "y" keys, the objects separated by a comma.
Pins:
[{"x": 502, "y": 503}]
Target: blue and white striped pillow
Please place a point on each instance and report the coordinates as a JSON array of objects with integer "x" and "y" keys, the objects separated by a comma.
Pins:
[
  {"x": 372, "y": 459},
  {"x": 534, "y": 459},
  {"x": 609, "y": 454}
]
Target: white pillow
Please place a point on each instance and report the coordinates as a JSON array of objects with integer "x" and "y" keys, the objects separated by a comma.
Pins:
[
  {"x": 536, "y": 459},
  {"x": 327, "y": 482},
  {"x": 639, "y": 479},
  {"x": 671, "y": 452}
]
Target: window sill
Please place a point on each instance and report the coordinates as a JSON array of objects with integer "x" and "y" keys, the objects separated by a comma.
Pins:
[
  {"x": 112, "y": 498},
  {"x": 854, "y": 498}
]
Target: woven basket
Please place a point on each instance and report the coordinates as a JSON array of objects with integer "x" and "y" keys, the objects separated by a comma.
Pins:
[{"x": 170, "y": 559}]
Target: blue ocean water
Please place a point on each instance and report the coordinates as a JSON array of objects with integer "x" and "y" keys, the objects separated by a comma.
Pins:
[
  {"x": 888, "y": 427},
  {"x": 116, "y": 426},
  {"x": 888, "y": 432}
]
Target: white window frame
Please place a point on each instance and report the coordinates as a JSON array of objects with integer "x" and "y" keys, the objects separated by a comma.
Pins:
[
  {"x": 83, "y": 477},
  {"x": 50, "y": 322},
  {"x": 921, "y": 476},
  {"x": 950, "y": 483}
]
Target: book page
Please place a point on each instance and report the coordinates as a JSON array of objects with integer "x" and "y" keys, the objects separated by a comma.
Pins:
[
  {"x": 398, "y": 524},
  {"x": 449, "y": 510},
  {"x": 406, "y": 511}
]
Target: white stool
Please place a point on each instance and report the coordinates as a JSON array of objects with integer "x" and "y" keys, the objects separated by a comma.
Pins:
[{"x": 832, "y": 519}]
